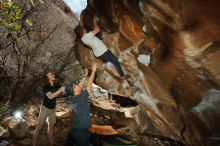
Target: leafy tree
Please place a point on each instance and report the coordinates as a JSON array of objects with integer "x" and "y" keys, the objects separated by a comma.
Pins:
[{"x": 12, "y": 13}]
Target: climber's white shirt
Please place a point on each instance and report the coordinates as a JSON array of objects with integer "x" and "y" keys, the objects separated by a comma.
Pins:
[{"x": 95, "y": 43}]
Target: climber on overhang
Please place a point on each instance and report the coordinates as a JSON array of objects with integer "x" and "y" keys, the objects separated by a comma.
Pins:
[{"x": 87, "y": 31}]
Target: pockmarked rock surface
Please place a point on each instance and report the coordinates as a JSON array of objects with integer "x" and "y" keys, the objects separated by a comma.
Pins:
[{"x": 48, "y": 45}]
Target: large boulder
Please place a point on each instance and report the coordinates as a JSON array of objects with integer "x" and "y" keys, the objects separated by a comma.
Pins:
[
  {"x": 48, "y": 45},
  {"x": 182, "y": 38},
  {"x": 18, "y": 128},
  {"x": 4, "y": 133}
]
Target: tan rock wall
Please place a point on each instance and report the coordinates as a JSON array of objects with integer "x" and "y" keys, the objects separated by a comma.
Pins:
[{"x": 183, "y": 37}]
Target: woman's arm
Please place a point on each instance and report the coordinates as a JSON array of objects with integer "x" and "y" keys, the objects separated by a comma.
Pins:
[
  {"x": 96, "y": 29},
  {"x": 91, "y": 78},
  {"x": 55, "y": 94},
  {"x": 82, "y": 81}
]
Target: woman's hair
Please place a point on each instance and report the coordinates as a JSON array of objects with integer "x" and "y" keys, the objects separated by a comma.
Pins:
[
  {"x": 45, "y": 78},
  {"x": 79, "y": 31},
  {"x": 74, "y": 83},
  {"x": 88, "y": 19}
]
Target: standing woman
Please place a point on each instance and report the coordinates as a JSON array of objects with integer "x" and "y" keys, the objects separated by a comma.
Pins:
[{"x": 47, "y": 110}]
